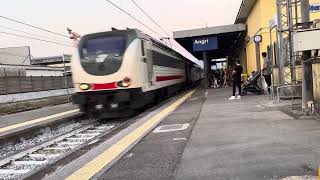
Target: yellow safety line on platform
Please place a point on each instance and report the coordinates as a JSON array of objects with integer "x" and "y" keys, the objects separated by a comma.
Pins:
[
  {"x": 8, "y": 128},
  {"x": 95, "y": 165}
]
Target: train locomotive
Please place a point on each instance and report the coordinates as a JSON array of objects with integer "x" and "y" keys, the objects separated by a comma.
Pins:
[{"x": 118, "y": 72}]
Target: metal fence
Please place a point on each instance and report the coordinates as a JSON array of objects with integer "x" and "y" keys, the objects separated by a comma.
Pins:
[{"x": 22, "y": 84}]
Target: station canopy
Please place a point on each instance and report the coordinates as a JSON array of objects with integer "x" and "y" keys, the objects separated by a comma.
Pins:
[{"x": 217, "y": 42}]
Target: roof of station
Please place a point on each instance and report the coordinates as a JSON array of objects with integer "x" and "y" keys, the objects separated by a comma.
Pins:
[
  {"x": 244, "y": 11},
  {"x": 229, "y": 36},
  {"x": 209, "y": 31}
]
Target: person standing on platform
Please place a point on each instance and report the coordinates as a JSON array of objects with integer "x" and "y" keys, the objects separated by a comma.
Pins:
[
  {"x": 267, "y": 71},
  {"x": 236, "y": 74},
  {"x": 220, "y": 77},
  {"x": 225, "y": 77},
  {"x": 210, "y": 78},
  {"x": 215, "y": 79}
]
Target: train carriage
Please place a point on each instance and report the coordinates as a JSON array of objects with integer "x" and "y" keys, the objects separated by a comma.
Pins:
[{"x": 120, "y": 71}]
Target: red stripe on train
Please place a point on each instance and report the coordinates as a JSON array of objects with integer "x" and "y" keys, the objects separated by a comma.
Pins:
[
  {"x": 167, "y": 78},
  {"x": 112, "y": 85}
]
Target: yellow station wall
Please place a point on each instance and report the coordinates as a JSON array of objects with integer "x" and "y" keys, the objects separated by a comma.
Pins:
[
  {"x": 258, "y": 24},
  {"x": 316, "y": 82}
]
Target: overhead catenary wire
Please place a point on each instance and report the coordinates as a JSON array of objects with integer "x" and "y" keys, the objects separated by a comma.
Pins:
[
  {"x": 43, "y": 40},
  {"x": 119, "y": 8},
  {"x": 36, "y": 27},
  {"x": 155, "y": 22},
  {"x": 116, "y": 6},
  {"x": 25, "y": 32}
]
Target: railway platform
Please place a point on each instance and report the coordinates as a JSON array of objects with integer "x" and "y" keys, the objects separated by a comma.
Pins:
[
  {"x": 206, "y": 137},
  {"x": 24, "y": 121}
]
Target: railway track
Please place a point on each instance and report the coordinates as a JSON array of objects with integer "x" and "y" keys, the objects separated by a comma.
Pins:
[
  {"x": 29, "y": 161},
  {"x": 76, "y": 133}
]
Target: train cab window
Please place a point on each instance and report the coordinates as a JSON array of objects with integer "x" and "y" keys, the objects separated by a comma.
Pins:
[{"x": 102, "y": 55}]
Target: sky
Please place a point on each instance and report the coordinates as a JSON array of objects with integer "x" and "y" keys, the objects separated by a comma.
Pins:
[{"x": 89, "y": 16}]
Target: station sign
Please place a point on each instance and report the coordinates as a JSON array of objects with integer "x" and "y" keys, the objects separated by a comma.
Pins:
[
  {"x": 315, "y": 7},
  {"x": 205, "y": 44}
]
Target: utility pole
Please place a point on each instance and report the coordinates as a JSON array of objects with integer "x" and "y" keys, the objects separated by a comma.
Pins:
[
  {"x": 307, "y": 79},
  {"x": 280, "y": 24},
  {"x": 258, "y": 62}
]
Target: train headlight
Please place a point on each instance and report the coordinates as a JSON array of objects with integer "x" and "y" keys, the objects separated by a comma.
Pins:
[
  {"x": 85, "y": 86},
  {"x": 125, "y": 82}
]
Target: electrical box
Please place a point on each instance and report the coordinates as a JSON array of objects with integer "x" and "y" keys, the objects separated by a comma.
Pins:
[{"x": 306, "y": 40}]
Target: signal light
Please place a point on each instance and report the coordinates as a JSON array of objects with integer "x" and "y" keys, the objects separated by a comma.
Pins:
[
  {"x": 124, "y": 83},
  {"x": 85, "y": 86}
]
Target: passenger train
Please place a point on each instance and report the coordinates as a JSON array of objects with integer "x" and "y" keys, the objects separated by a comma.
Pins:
[{"x": 118, "y": 72}]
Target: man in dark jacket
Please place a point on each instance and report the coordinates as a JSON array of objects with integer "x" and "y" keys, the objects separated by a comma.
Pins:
[
  {"x": 236, "y": 74},
  {"x": 267, "y": 70}
]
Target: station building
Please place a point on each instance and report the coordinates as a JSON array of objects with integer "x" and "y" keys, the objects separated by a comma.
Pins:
[
  {"x": 260, "y": 17},
  {"x": 18, "y": 61},
  {"x": 236, "y": 41}
]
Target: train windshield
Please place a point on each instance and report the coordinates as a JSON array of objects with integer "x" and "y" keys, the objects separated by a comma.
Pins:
[{"x": 103, "y": 55}]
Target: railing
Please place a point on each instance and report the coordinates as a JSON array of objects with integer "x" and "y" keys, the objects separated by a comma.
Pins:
[
  {"x": 295, "y": 91},
  {"x": 288, "y": 92},
  {"x": 22, "y": 84}
]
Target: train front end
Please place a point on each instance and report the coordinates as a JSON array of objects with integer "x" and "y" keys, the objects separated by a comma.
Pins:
[{"x": 105, "y": 72}]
